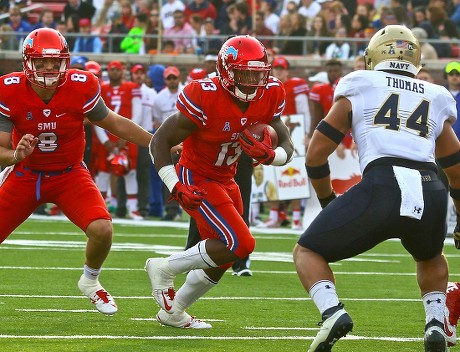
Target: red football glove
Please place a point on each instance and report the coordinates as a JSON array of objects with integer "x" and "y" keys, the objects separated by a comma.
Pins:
[
  {"x": 189, "y": 197},
  {"x": 261, "y": 151}
]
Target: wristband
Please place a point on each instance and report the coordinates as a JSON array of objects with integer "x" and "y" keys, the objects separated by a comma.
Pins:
[
  {"x": 280, "y": 157},
  {"x": 15, "y": 155},
  {"x": 168, "y": 175}
]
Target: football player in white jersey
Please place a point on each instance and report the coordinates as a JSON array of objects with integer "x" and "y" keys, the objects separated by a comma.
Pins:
[{"x": 400, "y": 125}]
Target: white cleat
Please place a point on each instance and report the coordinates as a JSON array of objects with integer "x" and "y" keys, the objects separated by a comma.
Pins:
[
  {"x": 181, "y": 320},
  {"x": 162, "y": 283},
  {"x": 103, "y": 301}
]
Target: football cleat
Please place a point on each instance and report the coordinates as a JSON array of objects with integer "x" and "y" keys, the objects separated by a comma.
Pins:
[
  {"x": 103, "y": 301},
  {"x": 269, "y": 224},
  {"x": 452, "y": 312},
  {"x": 135, "y": 215},
  {"x": 162, "y": 284},
  {"x": 181, "y": 320},
  {"x": 435, "y": 338},
  {"x": 242, "y": 271},
  {"x": 335, "y": 325}
]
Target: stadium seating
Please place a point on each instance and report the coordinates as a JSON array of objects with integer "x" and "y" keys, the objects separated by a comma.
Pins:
[{"x": 57, "y": 6}]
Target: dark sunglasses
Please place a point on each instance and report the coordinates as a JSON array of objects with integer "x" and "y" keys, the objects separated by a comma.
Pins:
[{"x": 169, "y": 78}]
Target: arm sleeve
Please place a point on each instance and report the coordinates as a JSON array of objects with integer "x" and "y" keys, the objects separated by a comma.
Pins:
[
  {"x": 99, "y": 112},
  {"x": 5, "y": 125}
]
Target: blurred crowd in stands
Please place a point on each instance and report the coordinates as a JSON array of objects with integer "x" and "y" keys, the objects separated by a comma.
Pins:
[{"x": 333, "y": 28}]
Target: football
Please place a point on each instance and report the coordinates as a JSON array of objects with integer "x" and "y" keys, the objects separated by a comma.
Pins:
[{"x": 257, "y": 130}]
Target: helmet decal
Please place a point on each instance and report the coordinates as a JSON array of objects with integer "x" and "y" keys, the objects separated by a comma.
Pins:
[{"x": 231, "y": 51}]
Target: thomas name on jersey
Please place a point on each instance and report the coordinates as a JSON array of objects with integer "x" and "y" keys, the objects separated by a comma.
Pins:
[{"x": 413, "y": 86}]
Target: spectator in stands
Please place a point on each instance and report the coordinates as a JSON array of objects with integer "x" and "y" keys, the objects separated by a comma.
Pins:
[
  {"x": 168, "y": 47},
  {"x": 184, "y": 43},
  {"x": 85, "y": 42},
  {"x": 425, "y": 75},
  {"x": 271, "y": 19},
  {"x": 455, "y": 14},
  {"x": 244, "y": 17},
  {"x": 113, "y": 44},
  {"x": 452, "y": 76},
  {"x": 151, "y": 44},
  {"x": 231, "y": 27},
  {"x": 261, "y": 30},
  {"x": 319, "y": 29},
  {"x": 209, "y": 31},
  {"x": 61, "y": 27},
  {"x": 439, "y": 26},
  {"x": 222, "y": 14},
  {"x": 309, "y": 10},
  {"x": 419, "y": 16},
  {"x": 339, "y": 48},
  {"x": 18, "y": 24},
  {"x": 133, "y": 43},
  {"x": 196, "y": 21},
  {"x": 387, "y": 17},
  {"x": 298, "y": 29},
  {"x": 428, "y": 51},
  {"x": 7, "y": 40},
  {"x": 167, "y": 12},
  {"x": 46, "y": 19},
  {"x": 78, "y": 62},
  {"x": 83, "y": 9},
  {"x": 127, "y": 15},
  {"x": 285, "y": 30},
  {"x": 204, "y": 8},
  {"x": 4, "y": 6}
]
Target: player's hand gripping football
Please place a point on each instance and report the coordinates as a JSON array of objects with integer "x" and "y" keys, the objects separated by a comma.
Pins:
[
  {"x": 188, "y": 196},
  {"x": 457, "y": 233},
  {"x": 262, "y": 151}
]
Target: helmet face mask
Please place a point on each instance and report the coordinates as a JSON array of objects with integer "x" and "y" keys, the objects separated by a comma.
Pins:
[
  {"x": 45, "y": 58},
  {"x": 243, "y": 67},
  {"x": 393, "y": 47}
]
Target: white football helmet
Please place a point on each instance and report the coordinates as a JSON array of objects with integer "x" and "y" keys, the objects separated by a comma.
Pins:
[{"x": 393, "y": 47}]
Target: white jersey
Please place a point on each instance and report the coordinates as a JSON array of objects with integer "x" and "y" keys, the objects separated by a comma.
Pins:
[
  {"x": 259, "y": 192},
  {"x": 394, "y": 115}
]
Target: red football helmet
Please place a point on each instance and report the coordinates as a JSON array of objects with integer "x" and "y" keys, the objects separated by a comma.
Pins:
[
  {"x": 243, "y": 67},
  {"x": 196, "y": 73},
  {"x": 45, "y": 43},
  {"x": 118, "y": 162},
  {"x": 94, "y": 68}
]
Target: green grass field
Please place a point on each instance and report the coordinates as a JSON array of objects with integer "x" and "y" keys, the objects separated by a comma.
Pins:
[{"x": 41, "y": 308}]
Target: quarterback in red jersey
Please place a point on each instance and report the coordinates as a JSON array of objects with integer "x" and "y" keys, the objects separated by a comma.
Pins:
[
  {"x": 211, "y": 121},
  {"x": 42, "y": 140}
]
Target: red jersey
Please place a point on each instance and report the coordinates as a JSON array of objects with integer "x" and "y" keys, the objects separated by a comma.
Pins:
[
  {"x": 213, "y": 150},
  {"x": 324, "y": 95},
  {"x": 120, "y": 99},
  {"x": 294, "y": 86},
  {"x": 58, "y": 124}
]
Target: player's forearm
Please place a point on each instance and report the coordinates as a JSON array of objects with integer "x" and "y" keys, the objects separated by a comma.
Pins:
[{"x": 8, "y": 157}]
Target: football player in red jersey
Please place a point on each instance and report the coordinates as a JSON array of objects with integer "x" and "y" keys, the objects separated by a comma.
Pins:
[
  {"x": 125, "y": 98},
  {"x": 211, "y": 121},
  {"x": 42, "y": 140}
]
